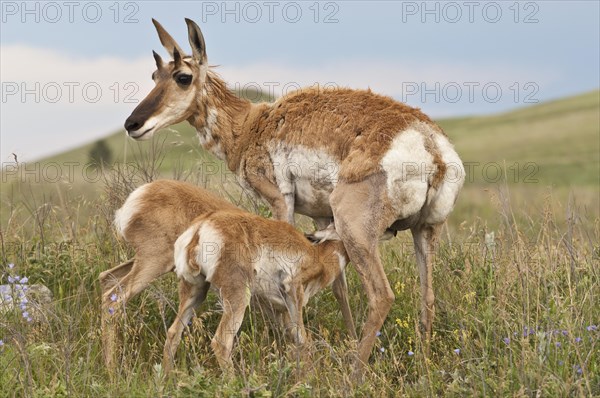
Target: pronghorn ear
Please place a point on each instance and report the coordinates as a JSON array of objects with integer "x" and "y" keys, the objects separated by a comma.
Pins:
[
  {"x": 312, "y": 238},
  {"x": 166, "y": 40},
  {"x": 158, "y": 59},
  {"x": 322, "y": 235},
  {"x": 196, "y": 41}
]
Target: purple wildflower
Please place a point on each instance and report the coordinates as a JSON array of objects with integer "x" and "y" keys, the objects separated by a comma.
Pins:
[
  {"x": 592, "y": 328},
  {"x": 25, "y": 314},
  {"x": 565, "y": 333},
  {"x": 1, "y": 343},
  {"x": 557, "y": 344},
  {"x": 382, "y": 349},
  {"x": 457, "y": 351},
  {"x": 561, "y": 363},
  {"x": 527, "y": 331},
  {"x": 578, "y": 339},
  {"x": 24, "y": 280},
  {"x": 114, "y": 297},
  {"x": 506, "y": 340},
  {"x": 410, "y": 353},
  {"x": 378, "y": 333},
  {"x": 11, "y": 279},
  {"x": 111, "y": 311}
]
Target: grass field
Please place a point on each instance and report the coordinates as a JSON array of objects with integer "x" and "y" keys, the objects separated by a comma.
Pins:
[{"x": 517, "y": 277}]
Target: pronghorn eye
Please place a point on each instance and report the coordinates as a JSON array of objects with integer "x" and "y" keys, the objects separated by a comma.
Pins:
[{"x": 183, "y": 79}]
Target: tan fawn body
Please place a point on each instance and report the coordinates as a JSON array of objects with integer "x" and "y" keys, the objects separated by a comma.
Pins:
[
  {"x": 151, "y": 219},
  {"x": 369, "y": 163},
  {"x": 242, "y": 255}
]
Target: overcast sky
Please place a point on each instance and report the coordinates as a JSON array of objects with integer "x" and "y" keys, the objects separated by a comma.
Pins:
[{"x": 72, "y": 72}]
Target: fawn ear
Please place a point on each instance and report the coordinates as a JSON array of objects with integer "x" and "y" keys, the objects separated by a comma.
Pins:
[
  {"x": 322, "y": 235},
  {"x": 196, "y": 39},
  {"x": 167, "y": 40},
  {"x": 312, "y": 238}
]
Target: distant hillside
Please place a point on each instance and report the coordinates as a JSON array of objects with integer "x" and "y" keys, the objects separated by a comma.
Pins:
[
  {"x": 561, "y": 140},
  {"x": 556, "y": 143}
]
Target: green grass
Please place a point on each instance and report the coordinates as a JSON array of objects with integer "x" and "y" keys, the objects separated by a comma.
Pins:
[{"x": 539, "y": 271}]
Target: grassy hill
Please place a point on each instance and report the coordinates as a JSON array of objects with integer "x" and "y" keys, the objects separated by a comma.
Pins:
[{"x": 561, "y": 138}]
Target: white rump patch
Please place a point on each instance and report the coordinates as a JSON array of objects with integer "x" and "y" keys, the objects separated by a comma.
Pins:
[
  {"x": 130, "y": 208},
  {"x": 208, "y": 252},
  {"x": 182, "y": 268},
  {"x": 408, "y": 166},
  {"x": 442, "y": 203}
]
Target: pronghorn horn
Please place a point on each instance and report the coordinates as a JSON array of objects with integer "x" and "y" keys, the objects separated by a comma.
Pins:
[
  {"x": 158, "y": 59},
  {"x": 166, "y": 40},
  {"x": 196, "y": 41},
  {"x": 176, "y": 58}
]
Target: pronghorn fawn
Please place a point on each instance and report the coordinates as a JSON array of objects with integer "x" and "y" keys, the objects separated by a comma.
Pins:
[
  {"x": 242, "y": 255},
  {"x": 369, "y": 163},
  {"x": 150, "y": 220}
]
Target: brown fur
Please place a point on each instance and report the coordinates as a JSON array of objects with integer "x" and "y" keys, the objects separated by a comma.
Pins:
[
  {"x": 332, "y": 119},
  {"x": 245, "y": 237},
  {"x": 165, "y": 212}
]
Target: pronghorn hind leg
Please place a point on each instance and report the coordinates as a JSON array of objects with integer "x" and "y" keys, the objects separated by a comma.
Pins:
[
  {"x": 108, "y": 280},
  {"x": 234, "y": 299},
  {"x": 190, "y": 298},
  {"x": 359, "y": 221},
  {"x": 425, "y": 239},
  {"x": 142, "y": 271},
  {"x": 111, "y": 277}
]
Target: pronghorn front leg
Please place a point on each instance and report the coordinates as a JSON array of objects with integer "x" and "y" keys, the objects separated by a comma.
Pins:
[
  {"x": 340, "y": 287},
  {"x": 190, "y": 298},
  {"x": 281, "y": 203},
  {"x": 340, "y": 291}
]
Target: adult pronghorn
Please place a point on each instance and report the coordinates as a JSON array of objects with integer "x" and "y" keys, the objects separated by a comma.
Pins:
[{"x": 369, "y": 162}]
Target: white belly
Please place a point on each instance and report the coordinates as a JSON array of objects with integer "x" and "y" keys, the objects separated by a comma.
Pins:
[
  {"x": 309, "y": 175},
  {"x": 274, "y": 270}
]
